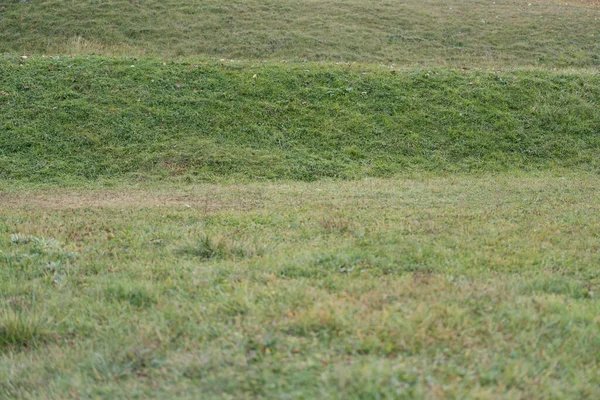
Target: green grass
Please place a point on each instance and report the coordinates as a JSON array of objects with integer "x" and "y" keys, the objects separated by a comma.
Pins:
[
  {"x": 503, "y": 33},
  {"x": 299, "y": 199},
  {"x": 75, "y": 120},
  {"x": 438, "y": 288},
  {"x": 19, "y": 331}
]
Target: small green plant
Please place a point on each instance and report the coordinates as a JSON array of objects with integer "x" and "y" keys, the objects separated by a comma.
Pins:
[
  {"x": 205, "y": 248},
  {"x": 20, "y": 239}
]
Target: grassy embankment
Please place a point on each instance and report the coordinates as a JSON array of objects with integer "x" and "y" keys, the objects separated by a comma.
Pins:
[{"x": 74, "y": 120}]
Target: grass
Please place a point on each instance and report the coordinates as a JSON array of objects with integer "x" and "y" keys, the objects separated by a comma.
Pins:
[
  {"x": 299, "y": 199},
  {"x": 209, "y": 248},
  {"x": 68, "y": 121},
  {"x": 547, "y": 33},
  {"x": 19, "y": 330},
  {"x": 448, "y": 287}
]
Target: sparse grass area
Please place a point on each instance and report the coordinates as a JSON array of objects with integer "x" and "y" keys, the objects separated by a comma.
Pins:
[
  {"x": 436, "y": 288},
  {"x": 455, "y": 33}
]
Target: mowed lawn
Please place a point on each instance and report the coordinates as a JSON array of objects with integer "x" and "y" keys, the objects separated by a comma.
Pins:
[
  {"x": 439, "y": 287},
  {"x": 456, "y": 33}
]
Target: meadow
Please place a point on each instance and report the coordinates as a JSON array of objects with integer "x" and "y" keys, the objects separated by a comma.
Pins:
[
  {"x": 316, "y": 199},
  {"x": 475, "y": 33}
]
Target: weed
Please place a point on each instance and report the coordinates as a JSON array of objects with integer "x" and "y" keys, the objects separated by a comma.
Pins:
[
  {"x": 207, "y": 248},
  {"x": 19, "y": 239}
]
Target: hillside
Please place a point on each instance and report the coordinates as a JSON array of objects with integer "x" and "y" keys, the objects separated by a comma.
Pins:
[
  {"x": 71, "y": 119},
  {"x": 456, "y": 33}
]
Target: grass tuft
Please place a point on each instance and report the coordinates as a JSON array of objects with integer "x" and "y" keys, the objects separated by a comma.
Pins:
[
  {"x": 136, "y": 295},
  {"x": 207, "y": 248},
  {"x": 20, "y": 330}
]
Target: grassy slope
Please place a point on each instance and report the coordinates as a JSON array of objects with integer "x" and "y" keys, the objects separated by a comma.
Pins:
[
  {"x": 70, "y": 120},
  {"x": 435, "y": 32},
  {"x": 441, "y": 288}
]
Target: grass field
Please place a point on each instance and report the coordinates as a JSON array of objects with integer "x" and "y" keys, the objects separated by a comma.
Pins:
[
  {"x": 456, "y": 33},
  {"x": 447, "y": 287},
  {"x": 299, "y": 199}
]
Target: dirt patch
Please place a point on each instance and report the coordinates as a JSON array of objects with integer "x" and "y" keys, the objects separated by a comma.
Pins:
[{"x": 210, "y": 202}]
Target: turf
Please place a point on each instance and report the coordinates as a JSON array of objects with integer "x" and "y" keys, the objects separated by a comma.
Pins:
[
  {"x": 299, "y": 199},
  {"x": 436, "y": 288},
  {"x": 69, "y": 121},
  {"x": 547, "y": 33}
]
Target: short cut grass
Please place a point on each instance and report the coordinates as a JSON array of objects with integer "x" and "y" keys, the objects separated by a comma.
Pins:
[
  {"x": 456, "y": 287},
  {"x": 501, "y": 33}
]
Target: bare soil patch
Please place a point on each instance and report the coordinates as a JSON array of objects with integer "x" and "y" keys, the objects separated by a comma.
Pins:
[{"x": 115, "y": 199}]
